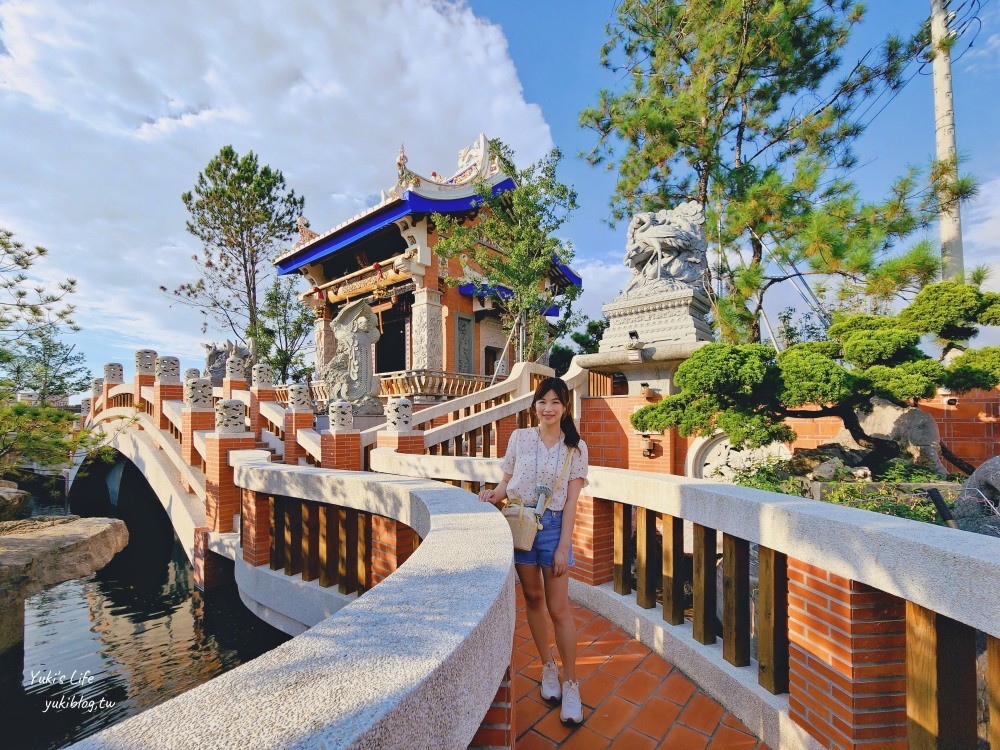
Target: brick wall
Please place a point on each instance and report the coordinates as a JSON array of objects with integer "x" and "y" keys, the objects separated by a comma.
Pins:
[
  {"x": 191, "y": 422},
  {"x": 210, "y": 569},
  {"x": 341, "y": 450},
  {"x": 255, "y": 529},
  {"x": 497, "y": 729},
  {"x": 222, "y": 497},
  {"x": 847, "y": 660},
  {"x": 165, "y": 392},
  {"x": 970, "y": 427},
  {"x": 593, "y": 541}
]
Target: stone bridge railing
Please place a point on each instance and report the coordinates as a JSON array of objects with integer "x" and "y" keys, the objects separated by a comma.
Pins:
[{"x": 811, "y": 622}]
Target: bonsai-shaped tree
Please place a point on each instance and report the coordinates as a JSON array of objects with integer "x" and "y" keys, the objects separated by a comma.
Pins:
[{"x": 748, "y": 391}]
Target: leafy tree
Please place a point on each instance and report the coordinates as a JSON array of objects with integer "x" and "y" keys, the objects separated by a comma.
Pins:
[
  {"x": 39, "y": 362},
  {"x": 737, "y": 104},
  {"x": 513, "y": 245},
  {"x": 284, "y": 331},
  {"x": 242, "y": 212},
  {"x": 587, "y": 341},
  {"x": 748, "y": 391},
  {"x": 24, "y": 307}
]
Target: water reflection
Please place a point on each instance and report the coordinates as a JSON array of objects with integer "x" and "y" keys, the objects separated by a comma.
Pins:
[{"x": 102, "y": 648}]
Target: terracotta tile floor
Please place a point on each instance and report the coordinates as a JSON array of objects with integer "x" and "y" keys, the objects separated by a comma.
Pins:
[{"x": 632, "y": 698}]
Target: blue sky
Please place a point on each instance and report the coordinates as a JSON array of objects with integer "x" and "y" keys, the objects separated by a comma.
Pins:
[{"x": 110, "y": 109}]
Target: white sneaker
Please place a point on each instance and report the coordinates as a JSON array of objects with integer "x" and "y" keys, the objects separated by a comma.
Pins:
[
  {"x": 551, "y": 690},
  {"x": 572, "y": 706}
]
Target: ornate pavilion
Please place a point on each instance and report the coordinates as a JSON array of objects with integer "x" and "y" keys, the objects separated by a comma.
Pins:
[{"x": 435, "y": 340}]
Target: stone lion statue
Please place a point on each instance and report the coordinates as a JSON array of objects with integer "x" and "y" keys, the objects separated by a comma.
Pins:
[
  {"x": 216, "y": 356},
  {"x": 667, "y": 247}
]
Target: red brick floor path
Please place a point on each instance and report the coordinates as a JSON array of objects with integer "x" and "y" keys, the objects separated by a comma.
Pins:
[{"x": 632, "y": 698}]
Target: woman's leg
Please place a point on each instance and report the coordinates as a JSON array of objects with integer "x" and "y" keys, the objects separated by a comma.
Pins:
[
  {"x": 557, "y": 598},
  {"x": 534, "y": 605}
]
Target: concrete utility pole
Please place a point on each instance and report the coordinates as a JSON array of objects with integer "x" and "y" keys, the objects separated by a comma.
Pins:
[{"x": 949, "y": 220}]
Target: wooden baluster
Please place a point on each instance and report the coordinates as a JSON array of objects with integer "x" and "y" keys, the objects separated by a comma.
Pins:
[
  {"x": 348, "y": 551},
  {"x": 276, "y": 519},
  {"x": 647, "y": 567},
  {"x": 433, "y": 450},
  {"x": 293, "y": 536},
  {"x": 704, "y": 625},
  {"x": 310, "y": 541},
  {"x": 458, "y": 451},
  {"x": 772, "y": 621},
  {"x": 673, "y": 569},
  {"x": 329, "y": 538},
  {"x": 471, "y": 436},
  {"x": 735, "y": 600},
  {"x": 623, "y": 548},
  {"x": 940, "y": 680},
  {"x": 364, "y": 551},
  {"x": 993, "y": 687},
  {"x": 487, "y": 436}
]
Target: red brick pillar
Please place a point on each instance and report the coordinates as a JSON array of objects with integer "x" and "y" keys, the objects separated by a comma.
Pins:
[
  {"x": 113, "y": 374},
  {"x": 498, "y": 728},
  {"x": 166, "y": 387},
  {"x": 402, "y": 442},
  {"x": 847, "y": 660},
  {"x": 222, "y": 496},
  {"x": 298, "y": 415},
  {"x": 392, "y": 545},
  {"x": 341, "y": 450},
  {"x": 593, "y": 541},
  {"x": 198, "y": 415},
  {"x": 259, "y": 395},
  {"x": 145, "y": 360},
  {"x": 255, "y": 528},
  {"x": 96, "y": 391},
  {"x": 210, "y": 569},
  {"x": 505, "y": 428}
]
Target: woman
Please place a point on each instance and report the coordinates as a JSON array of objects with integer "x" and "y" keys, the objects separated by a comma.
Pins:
[{"x": 536, "y": 457}]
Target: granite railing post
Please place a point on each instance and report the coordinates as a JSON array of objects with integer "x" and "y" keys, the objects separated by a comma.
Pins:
[
  {"x": 341, "y": 444},
  {"x": 166, "y": 387},
  {"x": 113, "y": 375},
  {"x": 144, "y": 375},
  {"x": 261, "y": 391},
  {"x": 198, "y": 415},
  {"x": 299, "y": 415},
  {"x": 222, "y": 496},
  {"x": 847, "y": 660},
  {"x": 235, "y": 378}
]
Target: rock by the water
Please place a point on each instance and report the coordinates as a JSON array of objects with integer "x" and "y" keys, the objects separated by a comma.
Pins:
[
  {"x": 12, "y": 500},
  {"x": 971, "y": 514},
  {"x": 41, "y": 552}
]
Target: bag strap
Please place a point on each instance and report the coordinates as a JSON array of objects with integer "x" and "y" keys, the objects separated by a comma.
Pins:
[{"x": 565, "y": 468}]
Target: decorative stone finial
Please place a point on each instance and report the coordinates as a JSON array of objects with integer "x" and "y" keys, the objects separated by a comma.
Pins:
[
  {"x": 229, "y": 416},
  {"x": 167, "y": 370},
  {"x": 85, "y": 406},
  {"x": 299, "y": 398},
  {"x": 341, "y": 415},
  {"x": 235, "y": 368},
  {"x": 191, "y": 373},
  {"x": 113, "y": 373},
  {"x": 144, "y": 361},
  {"x": 198, "y": 394},
  {"x": 263, "y": 375},
  {"x": 399, "y": 414},
  {"x": 96, "y": 388}
]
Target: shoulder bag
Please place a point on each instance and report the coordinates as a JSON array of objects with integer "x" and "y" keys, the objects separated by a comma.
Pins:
[{"x": 522, "y": 519}]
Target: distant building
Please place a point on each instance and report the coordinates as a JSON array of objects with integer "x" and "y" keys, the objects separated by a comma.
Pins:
[{"x": 436, "y": 340}]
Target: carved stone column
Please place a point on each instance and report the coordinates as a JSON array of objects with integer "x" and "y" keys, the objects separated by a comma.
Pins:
[
  {"x": 326, "y": 343},
  {"x": 426, "y": 330}
]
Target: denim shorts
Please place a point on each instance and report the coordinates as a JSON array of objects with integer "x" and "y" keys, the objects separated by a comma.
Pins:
[{"x": 546, "y": 541}]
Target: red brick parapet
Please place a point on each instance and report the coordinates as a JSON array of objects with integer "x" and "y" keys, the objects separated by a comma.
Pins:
[{"x": 847, "y": 660}]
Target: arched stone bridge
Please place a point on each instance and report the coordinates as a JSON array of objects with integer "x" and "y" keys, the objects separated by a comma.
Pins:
[{"x": 813, "y": 624}]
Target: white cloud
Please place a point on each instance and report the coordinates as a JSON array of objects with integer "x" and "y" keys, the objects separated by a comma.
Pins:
[
  {"x": 110, "y": 110},
  {"x": 603, "y": 278}
]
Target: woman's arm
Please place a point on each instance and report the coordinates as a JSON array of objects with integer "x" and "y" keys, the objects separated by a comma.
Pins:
[
  {"x": 560, "y": 560},
  {"x": 497, "y": 495}
]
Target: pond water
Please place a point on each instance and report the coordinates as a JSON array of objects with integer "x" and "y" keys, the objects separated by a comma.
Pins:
[{"x": 102, "y": 648}]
